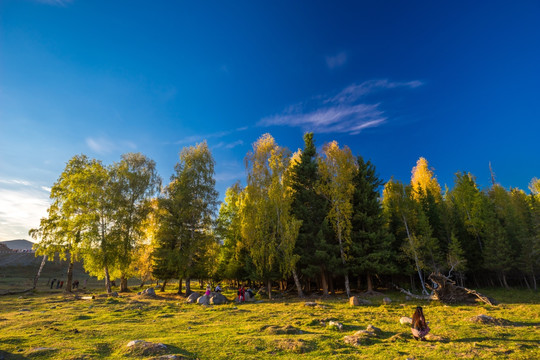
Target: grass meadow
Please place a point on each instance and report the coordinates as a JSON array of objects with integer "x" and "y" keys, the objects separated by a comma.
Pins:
[{"x": 51, "y": 325}]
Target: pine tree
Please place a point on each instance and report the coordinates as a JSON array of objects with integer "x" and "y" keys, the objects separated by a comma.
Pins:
[
  {"x": 314, "y": 246},
  {"x": 371, "y": 241}
]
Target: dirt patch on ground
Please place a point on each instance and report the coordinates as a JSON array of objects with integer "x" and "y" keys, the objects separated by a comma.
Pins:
[
  {"x": 298, "y": 346},
  {"x": 488, "y": 320},
  {"x": 280, "y": 330}
]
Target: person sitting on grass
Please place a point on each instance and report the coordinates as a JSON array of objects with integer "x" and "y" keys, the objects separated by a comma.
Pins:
[
  {"x": 218, "y": 288},
  {"x": 419, "y": 327},
  {"x": 208, "y": 291}
]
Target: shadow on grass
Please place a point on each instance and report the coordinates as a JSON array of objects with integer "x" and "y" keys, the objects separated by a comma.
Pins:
[
  {"x": 171, "y": 349},
  {"x": 481, "y": 339},
  {"x": 524, "y": 324},
  {"x": 4, "y": 355}
]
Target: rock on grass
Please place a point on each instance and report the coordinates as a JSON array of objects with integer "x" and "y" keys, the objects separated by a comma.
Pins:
[
  {"x": 141, "y": 347},
  {"x": 363, "y": 337}
]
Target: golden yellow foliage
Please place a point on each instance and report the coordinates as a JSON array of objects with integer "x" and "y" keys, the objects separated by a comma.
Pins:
[{"x": 424, "y": 181}]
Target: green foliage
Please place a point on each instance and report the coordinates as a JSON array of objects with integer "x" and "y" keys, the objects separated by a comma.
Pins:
[
  {"x": 316, "y": 246},
  {"x": 371, "y": 242},
  {"x": 267, "y": 225},
  {"x": 185, "y": 232}
]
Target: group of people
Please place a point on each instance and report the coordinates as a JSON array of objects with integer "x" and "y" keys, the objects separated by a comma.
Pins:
[
  {"x": 242, "y": 293},
  {"x": 60, "y": 284}
]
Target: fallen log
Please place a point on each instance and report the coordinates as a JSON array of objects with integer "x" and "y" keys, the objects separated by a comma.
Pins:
[
  {"x": 15, "y": 292},
  {"x": 417, "y": 297},
  {"x": 446, "y": 291}
]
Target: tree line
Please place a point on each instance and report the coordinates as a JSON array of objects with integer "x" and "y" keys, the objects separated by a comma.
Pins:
[{"x": 318, "y": 221}]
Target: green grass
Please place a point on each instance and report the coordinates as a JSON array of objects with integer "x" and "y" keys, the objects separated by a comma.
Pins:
[{"x": 101, "y": 328}]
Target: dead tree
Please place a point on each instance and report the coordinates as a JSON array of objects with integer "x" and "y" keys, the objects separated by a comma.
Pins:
[{"x": 446, "y": 291}]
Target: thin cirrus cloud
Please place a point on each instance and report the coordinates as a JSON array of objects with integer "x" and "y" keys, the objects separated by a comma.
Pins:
[
  {"x": 336, "y": 61},
  {"x": 103, "y": 145},
  {"x": 55, "y": 2},
  {"x": 216, "y": 135},
  {"x": 344, "y": 112}
]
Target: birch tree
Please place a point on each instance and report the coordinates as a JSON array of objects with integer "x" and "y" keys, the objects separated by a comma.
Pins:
[
  {"x": 337, "y": 168},
  {"x": 60, "y": 232},
  {"x": 188, "y": 209},
  {"x": 135, "y": 182},
  {"x": 268, "y": 227}
]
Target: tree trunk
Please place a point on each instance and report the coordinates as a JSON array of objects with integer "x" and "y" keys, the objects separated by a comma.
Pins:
[
  {"x": 331, "y": 284},
  {"x": 369, "y": 283},
  {"x": 269, "y": 286},
  {"x": 504, "y": 281},
  {"x": 297, "y": 283},
  {"x": 342, "y": 252},
  {"x": 123, "y": 283},
  {"x": 69, "y": 281},
  {"x": 526, "y": 282},
  {"x": 534, "y": 281},
  {"x": 424, "y": 291},
  {"x": 107, "y": 280},
  {"x": 324, "y": 283},
  {"x": 163, "y": 285},
  {"x": 36, "y": 278},
  {"x": 358, "y": 284},
  {"x": 188, "y": 286},
  {"x": 180, "y": 287}
]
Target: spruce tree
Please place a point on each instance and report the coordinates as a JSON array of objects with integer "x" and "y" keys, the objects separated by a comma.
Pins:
[
  {"x": 315, "y": 244},
  {"x": 371, "y": 241}
]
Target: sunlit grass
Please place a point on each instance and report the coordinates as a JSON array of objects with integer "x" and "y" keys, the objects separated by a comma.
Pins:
[{"x": 101, "y": 328}]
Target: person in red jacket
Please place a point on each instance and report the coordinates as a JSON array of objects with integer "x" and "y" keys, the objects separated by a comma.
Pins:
[{"x": 241, "y": 294}]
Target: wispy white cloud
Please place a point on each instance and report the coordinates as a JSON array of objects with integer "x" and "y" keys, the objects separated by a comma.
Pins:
[
  {"x": 336, "y": 60},
  {"x": 15, "y": 182},
  {"x": 22, "y": 205},
  {"x": 355, "y": 91},
  {"x": 344, "y": 112},
  {"x": 192, "y": 139},
  {"x": 103, "y": 145},
  {"x": 230, "y": 145},
  {"x": 55, "y": 2}
]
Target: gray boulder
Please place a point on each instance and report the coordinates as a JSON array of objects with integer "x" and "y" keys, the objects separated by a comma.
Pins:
[
  {"x": 192, "y": 298},
  {"x": 356, "y": 301},
  {"x": 141, "y": 347},
  {"x": 150, "y": 291},
  {"x": 218, "y": 299},
  {"x": 386, "y": 301},
  {"x": 203, "y": 300}
]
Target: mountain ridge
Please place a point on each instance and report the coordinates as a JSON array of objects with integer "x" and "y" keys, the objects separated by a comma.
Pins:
[{"x": 18, "y": 244}]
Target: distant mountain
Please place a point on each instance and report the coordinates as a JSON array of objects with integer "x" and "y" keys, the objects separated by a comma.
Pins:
[{"x": 18, "y": 244}]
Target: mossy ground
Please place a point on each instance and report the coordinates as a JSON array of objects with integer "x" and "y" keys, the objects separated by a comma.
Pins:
[{"x": 101, "y": 328}]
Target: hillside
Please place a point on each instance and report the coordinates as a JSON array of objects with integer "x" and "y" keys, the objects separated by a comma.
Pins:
[{"x": 18, "y": 244}]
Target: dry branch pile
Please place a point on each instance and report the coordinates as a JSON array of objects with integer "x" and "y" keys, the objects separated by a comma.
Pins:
[{"x": 448, "y": 292}]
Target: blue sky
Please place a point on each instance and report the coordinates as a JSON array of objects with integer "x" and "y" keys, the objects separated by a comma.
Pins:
[{"x": 456, "y": 82}]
